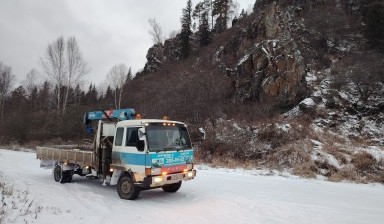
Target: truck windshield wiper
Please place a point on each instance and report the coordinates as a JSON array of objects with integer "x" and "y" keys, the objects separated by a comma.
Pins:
[{"x": 174, "y": 147}]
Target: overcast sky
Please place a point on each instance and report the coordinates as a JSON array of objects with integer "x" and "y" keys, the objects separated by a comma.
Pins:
[{"x": 108, "y": 31}]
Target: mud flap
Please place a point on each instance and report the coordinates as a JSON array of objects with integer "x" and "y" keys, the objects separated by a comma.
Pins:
[{"x": 115, "y": 177}]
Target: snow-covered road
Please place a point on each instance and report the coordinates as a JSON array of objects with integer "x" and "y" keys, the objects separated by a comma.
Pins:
[{"x": 215, "y": 196}]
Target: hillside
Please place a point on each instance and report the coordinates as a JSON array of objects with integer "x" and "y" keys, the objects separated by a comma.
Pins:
[{"x": 295, "y": 85}]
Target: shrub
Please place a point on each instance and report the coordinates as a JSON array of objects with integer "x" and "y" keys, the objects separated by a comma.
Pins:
[
  {"x": 364, "y": 161},
  {"x": 307, "y": 169},
  {"x": 291, "y": 155},
  {"x": 349, "y": 173}
]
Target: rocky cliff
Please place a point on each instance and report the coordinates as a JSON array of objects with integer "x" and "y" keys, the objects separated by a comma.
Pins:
[
  {"x": 269, "y": 66},
  {"x": 296, "y": 85}
]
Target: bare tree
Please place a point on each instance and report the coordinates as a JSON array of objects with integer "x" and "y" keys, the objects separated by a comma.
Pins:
[
  {"x": 64, "y": 66},
  {"x": 364, "y": 72},
  {"x": 156, "y": 32},
  {"x": 117, "y": 76},
  {"x": 76, "y": 68},
  {"x": 29, "y": 82},
  {"x": 6, "y": 79},
  {"x": 53, "y": 63}
]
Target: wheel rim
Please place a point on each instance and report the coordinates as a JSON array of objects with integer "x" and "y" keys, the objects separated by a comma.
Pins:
[{"x": 126, "y": 187}]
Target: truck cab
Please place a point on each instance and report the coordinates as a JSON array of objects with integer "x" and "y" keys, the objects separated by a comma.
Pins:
[{"x": 149, "y": 153}]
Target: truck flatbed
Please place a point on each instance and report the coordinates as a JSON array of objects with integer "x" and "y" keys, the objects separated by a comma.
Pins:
[{"x": 66, "y": 155}]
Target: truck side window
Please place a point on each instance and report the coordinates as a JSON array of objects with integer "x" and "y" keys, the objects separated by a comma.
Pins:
[
  {"x": 132, "y": 137},
  {"x": 119, "y": 136}
]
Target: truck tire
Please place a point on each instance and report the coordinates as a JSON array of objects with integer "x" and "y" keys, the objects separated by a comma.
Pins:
[
  {"x": 172, "y": 188},
  {"x": 68, "y": 176},
  {"x": 126, "y": 188},
  {"x": 58, "y": 174}
]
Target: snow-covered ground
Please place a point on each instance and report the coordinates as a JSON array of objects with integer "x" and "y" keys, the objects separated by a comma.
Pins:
[{"x": 215, "y": 196}]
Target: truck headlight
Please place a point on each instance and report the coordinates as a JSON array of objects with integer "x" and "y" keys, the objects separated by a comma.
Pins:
[{"x": 158, "y": 179}]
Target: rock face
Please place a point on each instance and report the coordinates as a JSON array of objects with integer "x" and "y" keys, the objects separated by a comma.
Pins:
[
  {"x": 160, "y": 54},
  {"x": 273, "y": 70},
  {"x": 270, "y": 68}
]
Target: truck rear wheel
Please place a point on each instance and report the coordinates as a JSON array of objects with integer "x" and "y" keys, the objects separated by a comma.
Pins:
[
  {"x": 58, "y": 174},
  {"x": 172, "y": 187},
  {"x": 126, "y": 188}
]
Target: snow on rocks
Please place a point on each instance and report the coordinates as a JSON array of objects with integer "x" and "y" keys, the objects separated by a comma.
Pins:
[{"x": 307, "y": 105}]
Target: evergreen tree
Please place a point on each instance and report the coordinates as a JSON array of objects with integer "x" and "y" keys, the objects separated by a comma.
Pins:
[
  {"x": 108, "y": 99},
  {"x": 186, "y": 32},
  {"x": 203, "y": 7},
  {"x": 18, "y": 99},
  {"x": 91, "y": 95},
  {"x": 204, "y": 32},
  {"x": 78, "y": 94},
  {"x": 33, "y": 99},
  {"x": 221, "y": 10},
  {"x": 243, "y": 14},
  {"x": 44, "y": 96}
]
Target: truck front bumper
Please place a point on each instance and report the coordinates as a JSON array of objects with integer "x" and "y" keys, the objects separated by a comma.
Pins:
[{"x": 159, "y": 181}]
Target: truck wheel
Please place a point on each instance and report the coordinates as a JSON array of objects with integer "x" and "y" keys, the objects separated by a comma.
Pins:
[
  {"x": 126, "y": 188},
  {"x": 172, "y": 187},
  {"x": 58, "y": 174},
  {"x": 68, "y": 176}
]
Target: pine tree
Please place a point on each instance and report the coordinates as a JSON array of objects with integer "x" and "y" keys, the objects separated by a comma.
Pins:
[
  {"x": 91, "y": 95},
  {"x": 221, "y": 10},
  {"x": 186, "y": 32},
  {"x": 205, "y": 33},
  {"x": 243, "y": 14},
  {"x": 44, "y": 96},
  {"x": 78, "y": 94},
  {"x": 33, "y": 101},
  {"x": 202, "y": 7}
]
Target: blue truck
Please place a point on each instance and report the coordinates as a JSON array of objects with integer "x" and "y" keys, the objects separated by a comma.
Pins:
[{"x": 132, "y": 153}]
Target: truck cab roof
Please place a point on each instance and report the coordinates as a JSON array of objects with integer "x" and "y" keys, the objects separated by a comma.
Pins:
[{"x": 140, "y": 122}]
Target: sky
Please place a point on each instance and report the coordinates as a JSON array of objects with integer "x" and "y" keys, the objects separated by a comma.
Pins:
[{"x": 108, "y": 32}]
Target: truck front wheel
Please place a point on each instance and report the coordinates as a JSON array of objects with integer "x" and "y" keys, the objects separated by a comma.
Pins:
[
  {"x": 126, "y": 188},
  {"x": 172, "y": 187},
  {"x": 68, "y": 176}
]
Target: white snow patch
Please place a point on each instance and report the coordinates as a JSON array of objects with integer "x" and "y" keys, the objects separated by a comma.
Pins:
[
  {"x": 243, "y": 59},
  {"x": 308, "y": 102},
  {"x": 236, "y": 126},
  {"x": 265, "y": 51},
  {"x": 284, "y": 127},
  {"x": 214, "y": 196},
  {"x": 375, "y": 151},
  {"x": 310, "y": 78},
  {"x": 319, "y": 155},
  {"x": 294, "y": 112}
]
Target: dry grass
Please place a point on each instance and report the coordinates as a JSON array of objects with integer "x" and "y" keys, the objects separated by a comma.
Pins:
[
  {"x": 307, "y": 169},
  {"x": 225, "y": 162},
  {"x": 346, "y": 174},
  {"x": 291, "y": 155},
  {"x": 364, "y": 161}
]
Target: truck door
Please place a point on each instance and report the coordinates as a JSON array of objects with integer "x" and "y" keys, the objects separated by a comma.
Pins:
[{"x": 125, "y": 151}]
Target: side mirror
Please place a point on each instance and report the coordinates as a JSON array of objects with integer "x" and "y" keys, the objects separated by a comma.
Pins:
[
  {"x": 141, "y": 133},
  {"x": 140, "y": 144}
]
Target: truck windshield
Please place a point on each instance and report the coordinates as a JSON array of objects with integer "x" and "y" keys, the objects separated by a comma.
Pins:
[{"x": 164, "y": 137}]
